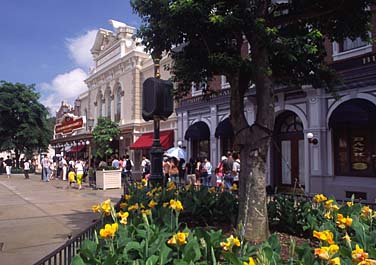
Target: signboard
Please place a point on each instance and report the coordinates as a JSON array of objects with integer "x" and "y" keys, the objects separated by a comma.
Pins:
[
  {"x": 69, "y": 124},
  {"x": 359, "y": 157}
]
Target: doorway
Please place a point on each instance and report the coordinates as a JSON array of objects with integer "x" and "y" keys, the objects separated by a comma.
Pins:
[{"x": 288, "y": 150}]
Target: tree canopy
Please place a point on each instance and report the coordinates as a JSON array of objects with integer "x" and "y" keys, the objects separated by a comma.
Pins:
[
  {"x": 256, "y": 44},
  {"x": 24, "y": 121},
  {"x": 105, "y": 131}
]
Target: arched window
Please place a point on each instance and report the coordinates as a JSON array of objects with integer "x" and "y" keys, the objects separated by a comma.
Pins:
[
  {"x": 354, "y": 138},
  {"x": 100, "y": 106},
  {"x": 108, "y": 104},
  {"x": 199, "y": 136},
  {"x": 118, "y": 104}
]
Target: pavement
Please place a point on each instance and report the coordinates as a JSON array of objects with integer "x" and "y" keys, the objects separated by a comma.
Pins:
[{"x": 37, "y": 217}]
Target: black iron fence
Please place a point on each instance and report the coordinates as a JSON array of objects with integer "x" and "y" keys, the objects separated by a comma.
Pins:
[{"x": 64, "y": 254}]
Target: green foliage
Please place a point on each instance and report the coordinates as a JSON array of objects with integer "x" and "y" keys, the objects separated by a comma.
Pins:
[
  {"x": 102, "y": 135},
  {"x": 24, "y": 123}
]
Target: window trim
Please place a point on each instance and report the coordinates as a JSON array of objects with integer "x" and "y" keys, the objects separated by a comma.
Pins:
[{"x": 337, "y": 55}]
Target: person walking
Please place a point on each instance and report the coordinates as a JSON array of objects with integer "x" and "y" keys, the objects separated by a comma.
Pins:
[
  {"x": 207, "y": 167},
  {"x": 26, "y": 167},
  {"x": 127, "y": 169},
  {"x": 45, "y": 168},
  {"x": 174, "y": 171},
  {"x": 115, "y": 162},
  {"x": 145, "y": 166},
  {"x": 8, "y": 166},
  {"x": 79, "y": 173},
  {"x": 236, "y": 169},
  {"x": 65, "y": 167}
]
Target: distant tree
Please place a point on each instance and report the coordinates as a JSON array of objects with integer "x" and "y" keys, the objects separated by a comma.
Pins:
[
  {"x": 102, "y": 135},
  {"x": 24, "y": 121},
  {"x": 256, "y": 44}
]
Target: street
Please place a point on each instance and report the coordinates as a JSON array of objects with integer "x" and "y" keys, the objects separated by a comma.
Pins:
[{"x": 36, "y": 217}]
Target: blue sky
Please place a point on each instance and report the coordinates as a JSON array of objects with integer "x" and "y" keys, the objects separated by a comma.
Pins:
[{"x": 47, "y": 42}]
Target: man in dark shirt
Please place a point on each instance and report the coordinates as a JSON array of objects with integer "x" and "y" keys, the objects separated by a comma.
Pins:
[
  {"x": 8, "y": 166},
  {"x": 227, "y": 168}
]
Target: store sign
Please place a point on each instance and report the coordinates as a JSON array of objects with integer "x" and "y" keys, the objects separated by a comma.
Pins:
[
  {"x": 69, "y": 124},
  {"x": 358, "y": 154}
]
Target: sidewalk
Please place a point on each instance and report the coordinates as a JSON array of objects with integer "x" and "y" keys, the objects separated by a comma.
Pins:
[{"x": 36, "y": 217}]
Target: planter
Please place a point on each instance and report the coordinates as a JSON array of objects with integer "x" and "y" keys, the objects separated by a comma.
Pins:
[{"x": 108, "y": 179}]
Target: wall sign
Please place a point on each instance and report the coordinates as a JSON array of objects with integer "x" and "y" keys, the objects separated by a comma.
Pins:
[
  {"x": 69, "y": 124},
  {"x": 358, "y": 153}
]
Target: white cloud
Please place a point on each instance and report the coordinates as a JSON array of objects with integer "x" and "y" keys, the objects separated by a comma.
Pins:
[
  {"x": 67, "y": 86},
  {"x": 79, "y": 48}
]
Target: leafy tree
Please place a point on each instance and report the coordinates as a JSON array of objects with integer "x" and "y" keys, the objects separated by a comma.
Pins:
[
  {"x": 102, "y": 135},
  {"x": 24, "y": 122},
  {"x": 286, "y": 47}
]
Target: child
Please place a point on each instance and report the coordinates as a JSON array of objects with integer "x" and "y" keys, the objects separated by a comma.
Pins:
[
  {"x": 71, "y": 177},
  {"x": 218, "y": 176}
]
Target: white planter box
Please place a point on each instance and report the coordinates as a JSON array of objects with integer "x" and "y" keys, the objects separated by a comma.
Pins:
[{"x": 108, "y": 179}]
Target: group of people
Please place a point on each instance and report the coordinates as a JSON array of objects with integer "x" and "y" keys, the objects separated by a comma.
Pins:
[
  {"x": 8, "y": 163},
  {"x": 201, "y": 171},
  {"x": 64, "y": 168}
]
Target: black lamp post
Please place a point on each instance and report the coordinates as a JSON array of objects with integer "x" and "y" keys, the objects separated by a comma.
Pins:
[{"x": 157, "y": 104}]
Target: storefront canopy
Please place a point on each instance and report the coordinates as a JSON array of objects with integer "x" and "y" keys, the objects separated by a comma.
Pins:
[
  {"x": 76, "y": 148},
  {"x": 198, "y": 131},
  {"x": 224, "y": 129},
  {"x": 145, "y": 141}
]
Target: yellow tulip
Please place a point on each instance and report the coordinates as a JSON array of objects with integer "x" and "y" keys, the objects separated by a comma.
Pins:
[
  {"x": 358, "y": 254},
  {"x": 325, "y": 235},
  {"x": 230, "y": 242},
  {"x": 152, "y": 204},
  {"x": 96, "y": 208},
  {"x": 319, "y": 198},
  {"x": 251, "y": 262}
]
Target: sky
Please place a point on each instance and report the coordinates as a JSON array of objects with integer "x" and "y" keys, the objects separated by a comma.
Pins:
[{"x": 48, "y": 42}]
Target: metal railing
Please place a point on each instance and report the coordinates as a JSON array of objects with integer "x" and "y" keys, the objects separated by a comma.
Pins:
[{"x": 64, "y": 254}]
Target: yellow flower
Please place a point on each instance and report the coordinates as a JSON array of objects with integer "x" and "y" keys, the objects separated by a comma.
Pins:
[
  {"x": 358, "y": 254},
  {"x": 230, "y": 242},
  {"x": 147, "y": 211},
  {"x": 328, "y": 215},
  {"x": 124, "y": 220},
  {"x": 106, "y": 207},
  {"x": 328, "y": 204},
  {"x": 179, "y": 239},
  {"x": 96, "y": 208},
  {"x": 109, "y": 230},
  {"x": 346, "y": 238},
  {"x": 188, "y": 187},
  {"x": 335, "y": 261},
  {"x": 366, "y": 212},
  {"x": 326, "y": 253},
  {"x": 251, "y": 262},
  {"x": 211, "y": 190},
  {"x": 325, "y": 235},
  {"x": 342, "y": 222},
  {"x": 367, "y": 262},
  {"x": 152, "y": 204},
  {"x": 165, "y": 204},
  {"x": 144, "y": 181},
  {"x": 123, "y": 214},
  {"x": 127, "y": 197},
  {"x": 176, "y": 205},
  {"x": 123, "y": 205},
  {"x": 334, "y": 207},
  {"x": 350, "y": 204},
  {"x": 171, "y": 186},
  {"x": 234, "y": 187},
  {"x": 133, "y": 207},
  {"x": 319, "y": 198}
]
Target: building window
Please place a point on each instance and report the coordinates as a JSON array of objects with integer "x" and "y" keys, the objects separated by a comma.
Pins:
[
  {"x": 224, "y": 83},
  {"x": 108, "y": 105},
  {"x": 197, "y": 89},
  {"x": 349, "y": 48},
  {"x": 100, "y": 106},
  {"x": 354, "y": 138},
  {"x": 118, "y": 105}
]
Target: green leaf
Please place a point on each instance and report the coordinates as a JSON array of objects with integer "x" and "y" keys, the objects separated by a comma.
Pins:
[
  {"x": 77, "y": 260},
  {"x": 88, "y": 249},
  {"x": 152, "y": 260}
]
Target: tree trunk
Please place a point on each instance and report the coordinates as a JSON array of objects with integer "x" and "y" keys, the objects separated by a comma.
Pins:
[
  {"x": 17, "y": 154},
  {"x": 254, "y": 143}
]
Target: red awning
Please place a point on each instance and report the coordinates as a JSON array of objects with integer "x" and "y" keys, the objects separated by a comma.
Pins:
[
  {"x": 145, "y": 141},
  {"x": 76, "y": 148}
]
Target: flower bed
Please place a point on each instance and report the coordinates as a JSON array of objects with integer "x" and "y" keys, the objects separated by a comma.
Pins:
[{"x": 148, "y": 229}]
